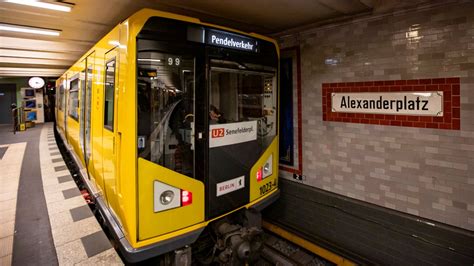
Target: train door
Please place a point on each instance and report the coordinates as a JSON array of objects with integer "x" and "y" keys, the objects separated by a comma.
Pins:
[
  {"x": 65, "y": 106},
  {"x": 82, "y": 78},
  {"x": 60, "y": 100},
  {"x": 85, "y": 117},
  {"x": 88, "y": 107},
  {"x": 110, "y": 124},
  {"x": 242, "y": 124}
]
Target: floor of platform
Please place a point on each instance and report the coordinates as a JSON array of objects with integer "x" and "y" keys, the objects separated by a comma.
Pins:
[{"x": 44, "y": 220}]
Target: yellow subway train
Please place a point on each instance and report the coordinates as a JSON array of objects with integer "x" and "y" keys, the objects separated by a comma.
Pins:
[{"x": 173, "y": 124}]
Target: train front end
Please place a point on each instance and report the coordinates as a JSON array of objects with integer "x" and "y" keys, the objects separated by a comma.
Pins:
[{"x": 206, "y": 137}]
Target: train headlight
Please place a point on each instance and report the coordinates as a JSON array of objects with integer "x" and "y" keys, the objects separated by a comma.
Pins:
[
  {"x": 268, "y": 167},
  {"x": 266, "y": 170},
  {"x": 166, "y": 197}
]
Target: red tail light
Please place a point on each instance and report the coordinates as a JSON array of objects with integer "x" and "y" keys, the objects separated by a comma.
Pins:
[
  {"x": 259, "y": 175},
  {"x": 186, "y": 198}
]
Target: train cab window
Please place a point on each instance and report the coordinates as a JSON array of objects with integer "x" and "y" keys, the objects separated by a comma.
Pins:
[
  {"x": 109, "y": 94},
  {"x": 166, "y": 110},
  {"x": 74, "y": 99},
  {"x": 61, "y": 97},
  {"x": 242, "y": 92}
]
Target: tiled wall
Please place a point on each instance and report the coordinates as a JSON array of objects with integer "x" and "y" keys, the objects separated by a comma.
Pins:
[{"x": 421, "y": 171}]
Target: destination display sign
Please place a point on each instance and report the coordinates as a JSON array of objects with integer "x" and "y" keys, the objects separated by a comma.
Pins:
[
  {"x": 426, "y": 103},
  {"x": 231, "y": 40},
  {"x": 232, "y": 133}
]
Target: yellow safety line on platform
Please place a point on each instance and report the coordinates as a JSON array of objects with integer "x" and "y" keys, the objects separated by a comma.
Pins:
[{"x": 324, "y": 253}]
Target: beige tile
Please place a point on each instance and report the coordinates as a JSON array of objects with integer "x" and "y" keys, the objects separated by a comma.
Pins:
[
  {"x": 6, "y": 260},
  {"x": 108, "y": 257},
  {"x": 61, "y": 219},
  {"x": 7, "y": 216},
  {"x": 6, "y": 246},
  {"x": 50, "y": 185},
  {"x": 48, "y": 171},
  {"x": 75, "y": 231},
  {"x": 57, "y": 164},
  {"x": 7, "y": 229},
  {"x": 9, "y": 186},
  {"x": 60, "y": 206},
  {"x": 71, "y": 253},
  {"x": 62, "y": 172},
  {"x": 54, "y": 197},
  {"x": 7, "y": 204},
  {"x": 8, "y": 196},
  {"x": 58, "y": 187}
]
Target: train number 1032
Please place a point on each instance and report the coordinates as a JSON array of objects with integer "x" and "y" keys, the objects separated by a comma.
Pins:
[{"x": 264, "y": 189}]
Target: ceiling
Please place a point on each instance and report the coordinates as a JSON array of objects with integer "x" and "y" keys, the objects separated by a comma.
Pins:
[{"x": 28, "y": 55}]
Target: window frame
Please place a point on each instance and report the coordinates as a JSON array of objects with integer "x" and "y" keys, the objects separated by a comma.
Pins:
[
  {"x": 60, "y": 94},
  {"x": 107, "y": 126},
  {"x": 75, "y": 78}
]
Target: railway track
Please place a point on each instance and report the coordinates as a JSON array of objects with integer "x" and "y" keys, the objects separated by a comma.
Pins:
[{"x": 278, "y": 251}]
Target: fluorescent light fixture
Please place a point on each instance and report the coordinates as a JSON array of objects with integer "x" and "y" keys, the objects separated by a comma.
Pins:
[
  {"x": 25, "y": 29},
  {"x": 35, "y": 3},
  {"x": 149, "y": 60}
]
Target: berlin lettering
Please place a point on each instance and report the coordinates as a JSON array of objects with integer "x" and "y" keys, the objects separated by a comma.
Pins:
[
  {"x": 226, "y": 187},
  {"x": 231, "y": 43},
  {"x": 381, "y": 104}
]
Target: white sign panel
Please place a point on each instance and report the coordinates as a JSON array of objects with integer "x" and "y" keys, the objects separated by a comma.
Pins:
[
  {"x": 427, "y": 103},
  {"x": 230, "y": 185},
  {"x": 232, "y": 133}
]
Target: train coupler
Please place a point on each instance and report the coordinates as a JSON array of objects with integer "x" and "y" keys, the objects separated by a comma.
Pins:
[{"x": 238, "y": 244}]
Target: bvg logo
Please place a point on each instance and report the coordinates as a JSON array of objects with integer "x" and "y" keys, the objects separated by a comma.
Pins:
[{"x": 217, "y": 133}]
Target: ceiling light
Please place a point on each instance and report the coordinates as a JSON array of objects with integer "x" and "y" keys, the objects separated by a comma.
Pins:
[
  {"x": 25, "y": 29},
  {"x": 57, "y": 7}
]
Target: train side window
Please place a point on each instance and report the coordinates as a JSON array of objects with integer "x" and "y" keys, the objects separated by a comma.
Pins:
[
  {"x": 61, "y": 97},
  {"x": 74, "y": 99},
  {"x": 109, "y": 94}
]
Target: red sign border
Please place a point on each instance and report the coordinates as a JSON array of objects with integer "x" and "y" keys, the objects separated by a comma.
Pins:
[{"x": 451, "y": 118}]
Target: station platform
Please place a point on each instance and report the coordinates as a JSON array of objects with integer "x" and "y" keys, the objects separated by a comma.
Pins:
[{"x": 44, "y": 219}]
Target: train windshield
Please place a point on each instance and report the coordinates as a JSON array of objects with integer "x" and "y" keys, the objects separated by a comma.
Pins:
[
  {"x": 227, "y": 118},
  {"x": 243, "y": 96},
  {"x": 165, "y": 110}
]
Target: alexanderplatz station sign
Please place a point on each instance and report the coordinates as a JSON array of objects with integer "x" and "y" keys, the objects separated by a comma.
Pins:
[
  {"x": 423, "y": 103},
  {"x": 426, "y": 103}
]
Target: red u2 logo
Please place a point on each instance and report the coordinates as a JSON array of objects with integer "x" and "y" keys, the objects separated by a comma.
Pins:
[{"x": 217, "y": 133}]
